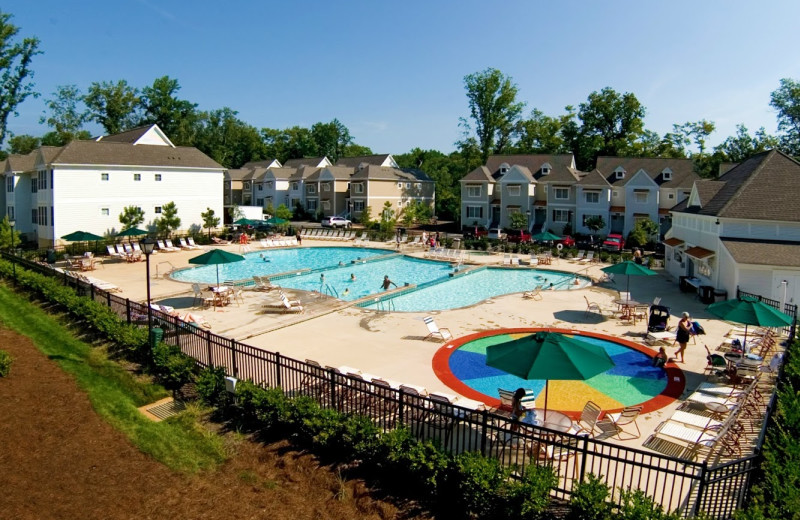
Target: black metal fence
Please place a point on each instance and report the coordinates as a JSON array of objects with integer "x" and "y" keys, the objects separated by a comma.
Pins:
[
  {"x": 689, "y": 486},
  {"x": 788, "y": 308}
]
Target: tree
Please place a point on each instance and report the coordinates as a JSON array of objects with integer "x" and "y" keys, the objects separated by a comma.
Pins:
[
  {"x": 235, "y": 212},
  {"x": 113, "y": 105},
  {"x": 283, "y": 212},
  {"x": 610, "y": 125},
  {"x": 366, "y": 216},
  {"x": 5, "y": 235},
  {"x": 387, "y": 218},
  {"x": 331, "y": 139},
  {"x": 493, "y": 109},
  {"x": 169, "y": 220},
  {"x": 228, "y": 140},
  {"x": 642, "y": 233},
  {"x": 176, "y": 117},
  {"x": 15, "y": 70},
  {"x": 210, "y": 220},
  {"x": 699, "y": 132},
  {"x": 595, "y": 223},
  {"x": 66, "y": 114},
  {"x": 23, "y": 144},
  {"x": 131, "y": 217},
  {"x": 786, "y": 100},
  {"x": 518, "y": 220},
  {"x": 542, "y": 134},
  {"x": 58, "y": 139}
]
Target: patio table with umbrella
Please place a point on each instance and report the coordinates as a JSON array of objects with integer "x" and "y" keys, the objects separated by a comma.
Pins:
[
  {"x": 749, "y": 311},
  {"x": 545, "y": 236},
  {"x": 216, "y": 257},
  {"x": 629, "y": 269},
  {"x": 275, "y": 221},
  {"x": 131, "y": 232},
  {"x": 549, "y": 355},
  {"x": 82, "y": 236}
]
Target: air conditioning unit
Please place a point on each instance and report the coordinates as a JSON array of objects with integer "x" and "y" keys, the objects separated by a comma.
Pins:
[{"x": 230, "y": 384}]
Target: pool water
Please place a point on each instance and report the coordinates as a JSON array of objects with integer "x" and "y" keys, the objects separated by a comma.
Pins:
[{"x": 633, "y": 380}]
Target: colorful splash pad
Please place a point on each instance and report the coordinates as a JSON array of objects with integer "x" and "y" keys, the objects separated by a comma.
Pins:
[{"x": 461, "y": 365}]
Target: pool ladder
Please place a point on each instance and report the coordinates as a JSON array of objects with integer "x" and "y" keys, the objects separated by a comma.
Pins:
[
  {"x": 329, "y": 290},
  {"x": 385, "y": 305}
]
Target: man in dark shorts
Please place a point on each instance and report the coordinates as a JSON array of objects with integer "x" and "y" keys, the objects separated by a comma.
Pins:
[{"x": 386, "y": 283}]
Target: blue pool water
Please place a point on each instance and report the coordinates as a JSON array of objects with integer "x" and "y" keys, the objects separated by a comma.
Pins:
[
  {"x": 443, "y": 293},
  {"x": 471, "y": 288}
]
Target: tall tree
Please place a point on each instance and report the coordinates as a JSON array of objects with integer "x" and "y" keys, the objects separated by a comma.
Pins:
[
  {"x": 66, "y": 112},
  {"x": 699, "y": 131},
  {"x": 15, "y": 70},
  {"x": 542, "y": 134},
  {"x": 610, "y": 124},
  {"x": 786, "y": 100},
  {"x": 113, "y": 105},
  {"x": 228, "y": 140},
  {"x": 739, "y": 147},
  {"x": 494, "y": 110},
  {"x": 131, "y": 217},
  {"x": 176, "y": 117},
  {"x": 23, "y": 144},
  {"x": 210, "y": 220},
  {"x": 331, "y": 139}
]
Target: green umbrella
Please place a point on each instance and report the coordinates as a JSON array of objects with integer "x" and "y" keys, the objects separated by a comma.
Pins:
[
  {"x": 275, "y": 221},
  {"x": 216, "y": 257},
  {"x": 549, "y": 355},
  {"x": 630, "y": 269},
  {"x": 545, "y": 236},
  {"x": 131, "y": 232},
  {"x": 248, "y": 222},
  {"x": 81, "y": 236},
  {"x": 749, "y": 312}
]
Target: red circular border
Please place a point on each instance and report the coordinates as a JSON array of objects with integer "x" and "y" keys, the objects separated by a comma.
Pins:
[{"x": 676, "y": 380}]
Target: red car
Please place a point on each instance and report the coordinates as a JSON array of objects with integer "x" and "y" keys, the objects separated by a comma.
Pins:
[
  {"x": 566, "y": 241},
  {"x": 518, "y": 236},
  {"x": 614, "y": 242}
]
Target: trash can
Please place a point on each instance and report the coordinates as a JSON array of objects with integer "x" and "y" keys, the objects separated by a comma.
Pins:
[
  {"x": 682, "y": 283},
  {"x": 156, "y": 334},
  {"x": 720, "y": 295},
  {"x": 51, "y": 256},
  {"x": 706, "y": 293}
]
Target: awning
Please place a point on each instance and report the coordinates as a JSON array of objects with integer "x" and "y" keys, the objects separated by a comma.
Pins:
[
  {"x": 700, "y": 253},
  {"x": 540, "y": 203},
  {"x": 617, "y": 209},
  {"x": 663, "y": 211},
  {"x": 513, "y": 206},
  {"x": 673, "y": 242},
  {"x": 641, "y": 191}
]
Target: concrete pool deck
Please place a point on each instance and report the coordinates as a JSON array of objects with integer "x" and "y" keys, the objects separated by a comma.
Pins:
[{"x": 392, "y": 345}]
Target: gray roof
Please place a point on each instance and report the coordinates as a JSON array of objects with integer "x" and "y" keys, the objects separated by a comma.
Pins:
[
  {"x": 593, "y": 178},
  {"x": 259, "y": 164},
  {"x": 128, "y": 136},
  {"x": 236, "y": 175},
  {"x": 338, "y": 172},
  {"x": 305, "y": 161},
  {"x": 763, "y": 252},
  {"x": 561, "y": 166},
  {"x": 282, "y": 173},
  {"x": 479, "y": 174},
  {"x": 683, "y": 175},
  {"x": 302, "y": 172},
  {"x": 760, "y": 188},
  {"x": 113, "y": 153},
  {"x": 20, "y": 163},
  {"x": 393, "y": 174},
  {"x": 355, "y": 162}
]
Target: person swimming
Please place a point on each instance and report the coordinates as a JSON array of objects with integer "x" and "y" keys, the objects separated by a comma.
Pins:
[{"x": 352, "y": 277}]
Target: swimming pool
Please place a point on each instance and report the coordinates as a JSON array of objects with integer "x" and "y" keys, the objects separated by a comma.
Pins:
[
  {"x": 633, "y": 380},
  {"x": 350, "y": 274}
]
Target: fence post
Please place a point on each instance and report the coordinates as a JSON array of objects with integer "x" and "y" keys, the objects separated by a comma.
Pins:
[
  {"x": 584, "y": 455},
  {"x": 484, "y": 424},
  {"x": 108, "y": 300},
  {"x": 128, "y": 310},
  {"x": 400, "y": 401},
  {"x": 91, "y": 292},
  {"x": 208, "y": 344},
  {"x": 278, "y": 370},
  {"x": 332, "y": 375},
  {"x": 233, "y": 360},
  {"x": 701, "y": 488}
]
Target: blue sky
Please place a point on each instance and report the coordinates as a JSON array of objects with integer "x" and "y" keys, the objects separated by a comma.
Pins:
[{"x": 393, "y": 71}]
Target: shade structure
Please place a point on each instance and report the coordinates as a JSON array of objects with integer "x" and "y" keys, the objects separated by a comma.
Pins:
[
  {"x": 216, "y": 257},
  {"x": 81, "y": 236},
  {"x": 549, "y": 355},
  {"x": 749, "y": 311},
  {"x": 275, "y": 221},
  {"x": 248, "y": 222},
  {"x": 132, "y": 232},
  {"x": 629, "y": 269},
  {"x": 545, "y": 236}
]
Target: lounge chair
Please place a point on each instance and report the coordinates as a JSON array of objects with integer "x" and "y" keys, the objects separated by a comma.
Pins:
[
  {"x": 589, "y": 257},
  {"x": 290, "y": 305},
  {"x": 714, "y": 362},
  {"x": 186, "y": 245},
  {"x": 262, "y": 283},
  {"x": 592, "y": 307},
  {"x": 113, "y": 253},
  {"x": 169, "y": 244},
  {"x": 182, "y": 244},
  {"x": 162, "y": 245},
  {"x": 121, "y": 251},
  {"x": 628, "y": 415},
  {"x": 434, "y": 331},
  {"x": 128, "y": 249},
  {"x": 220, "y": 242},
  {"x": 535, "y": 294},
  {"x": 579, "y": 256},
  {"x": 589, "y": 416},
  {"x": 191, "y": 243}
]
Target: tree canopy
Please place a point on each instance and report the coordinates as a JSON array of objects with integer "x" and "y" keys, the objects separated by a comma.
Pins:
[
  {"x": 113, "y": 105},
  {"x": 15, "y": 70},
  {"x": 786, "y": 100}
]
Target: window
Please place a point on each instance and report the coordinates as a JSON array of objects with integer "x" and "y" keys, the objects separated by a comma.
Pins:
[
  {"x": 103, "y": 176},
  {"x": 473, "y": 191},
  {"x": 260, "y": 187},
  {"x": 399, "y": 185},
  {"x": 417, "y": 185},
  {"x": 52, "y": 184},
  {"x": 311, "y": 205},
  {"x": 561, "y": 215},
  {"x": 34, "y": 185},
  {"x": 408, "y": 185},
  {"x": 358, "y": 205},
  {"x": 513, "y": 190},
  {"x": 326, "y": 187},
  {"x": 104, "y": 212},
  {"x": 43, "y": 215},
  {"x": 10, "y": 184},
  {"x": 358, "y": 188},
  {"x": 311, "y": 189},
  {"x": 592, "y": 197},
  {"x": 34, "y": 216},
  {"x": 667, "y": 173},
  {"x": 616, "y": 193},
  {"x": 42, "y": 175},
  {"x": 546, "y": 167},
  {"x": 137, "y": 176},
  {"x": 246, "y": 185},
  {"x": 158, "y": 177},
  {"x": 561, "y": 193},
  {"x": 11, "y": 212},
  {"x": 619, "y": 172},
  {"x": 260, "y": 202},
  {"x": 640, "y": 197},
  {"x": 53, "y": 215},
  {"x": 326, "y": 205},
  {"x": 295, "y": 186},
  {"x": 474, "y": 211},
  {"x": 157, "y": 210}
]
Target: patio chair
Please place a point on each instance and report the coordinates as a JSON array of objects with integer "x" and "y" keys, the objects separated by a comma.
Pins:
[
  {"x": 579, "y": 256},
  {"x": 714, "y": 362},
  {"x": 588, "y": 419},
  {"x": 290, "y": 305},
  {"x": 169, "y": 244},
  {"x": 535, "y": 294},
  {"x": 592, "y": 307},
  {"x": 589, "y": 257},
  {"x": 113, "y": 253},
  {"x": 435, "y": 331},
  {"x": 628, "y": 415},
  {"x": 191, "y": 243}
]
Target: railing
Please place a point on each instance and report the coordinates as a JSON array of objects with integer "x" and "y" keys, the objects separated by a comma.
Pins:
[
  {"x": 788, "y": 308},
  {"x": 692, "y": 487}
]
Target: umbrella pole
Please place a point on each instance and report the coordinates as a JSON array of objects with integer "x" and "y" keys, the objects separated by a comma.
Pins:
[
  {"x": 744, "y": 344},
  {"x": 546, "y": 386}
]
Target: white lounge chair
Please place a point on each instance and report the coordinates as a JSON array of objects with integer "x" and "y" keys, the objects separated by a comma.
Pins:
[
  {"x": 169, "y": 244},
  {"x": 435, "y": 331},
  {"x": 113, "y": 253},
  {"x": 190, "y": 240},
  {"x": 535, "y": 294}
]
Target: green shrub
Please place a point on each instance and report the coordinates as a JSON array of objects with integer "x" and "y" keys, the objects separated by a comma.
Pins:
[
  {"x": 261, "y": 408},
  {"x": 173, "y": 367},
  {"x": 590, "y": 500},
  {"x": 636, "y": 505},
  {"x": 529, "y": 497},
  {"x": 211, "y": 387},
  {"x": 5, "y": 363},
  {"x": 410, "y": 464},
  {"x": 472, "y": 485}
]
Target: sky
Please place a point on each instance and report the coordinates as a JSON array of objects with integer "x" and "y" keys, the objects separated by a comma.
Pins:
[{"x": 393, "y": 72}]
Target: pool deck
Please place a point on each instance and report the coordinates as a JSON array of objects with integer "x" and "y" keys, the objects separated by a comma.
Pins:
[{"x": 392, "y": 345}]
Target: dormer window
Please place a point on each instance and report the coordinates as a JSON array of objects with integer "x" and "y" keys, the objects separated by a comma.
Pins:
[
  {"x": 666, "y": 173},
  {"x": 619, "y": 172},
  {"x": 546, "y": 169},
  {"x": 504, "y": 168}
]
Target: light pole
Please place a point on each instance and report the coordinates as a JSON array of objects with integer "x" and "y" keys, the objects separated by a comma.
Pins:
[
  {"x": 528, "y": 220},
  {"x": 148, "y": 245},
  {"x": 11, "y": 223}
]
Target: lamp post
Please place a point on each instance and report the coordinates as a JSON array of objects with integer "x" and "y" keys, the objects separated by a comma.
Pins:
[
  {"x": 528, "y": 219},
  {"x": 148, "y": 245},
  {"x": 11, "y": 223}
]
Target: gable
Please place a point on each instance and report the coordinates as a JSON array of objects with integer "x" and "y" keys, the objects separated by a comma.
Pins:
[{"x": 641, "y": 179}]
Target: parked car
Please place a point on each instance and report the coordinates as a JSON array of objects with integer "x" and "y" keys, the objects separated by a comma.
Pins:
[
  {"x": 518, "y": 236},
  {"x": 614, "y": 242},
  {"x": 496, "y": 234},
  {"x": 566, "y": 241},
  {"x": 336, "y": 222},
  {"x": 587, "y": 242},
  {"x": 475, "y": 231}
]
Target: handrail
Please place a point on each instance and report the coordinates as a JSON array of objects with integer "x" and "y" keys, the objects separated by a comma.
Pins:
[{"x": 172, "y": 268}]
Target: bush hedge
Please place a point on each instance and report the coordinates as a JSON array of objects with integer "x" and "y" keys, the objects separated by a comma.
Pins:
[{"x": 5, "y": 363}]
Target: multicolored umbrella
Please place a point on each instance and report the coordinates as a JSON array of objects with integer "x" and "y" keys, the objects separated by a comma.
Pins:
[{"x": 549, "y": 355}]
